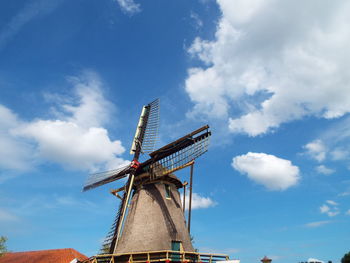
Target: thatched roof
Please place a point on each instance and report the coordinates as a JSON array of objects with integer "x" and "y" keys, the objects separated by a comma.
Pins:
[{"x": 153, "y": 220}]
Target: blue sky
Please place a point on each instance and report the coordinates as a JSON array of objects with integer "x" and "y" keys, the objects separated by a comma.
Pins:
[{"x": 270, "y": 78}]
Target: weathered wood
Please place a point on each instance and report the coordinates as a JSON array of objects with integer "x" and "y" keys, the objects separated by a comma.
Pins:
[{"x": 190, "y": 201}]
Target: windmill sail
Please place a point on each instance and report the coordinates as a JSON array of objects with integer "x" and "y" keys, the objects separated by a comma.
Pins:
[
  {"x": 99, "y": 179},
  {"x": 167, "y": 159},
  {"x": 151, "y": 132},
  {"x": 144, "y": 140},
  {"x": 178, "y": 154},
  {"x": 147, "y": 128},
  {"x": 181, "y": 158},
  {"x": 109, "y": 242}
]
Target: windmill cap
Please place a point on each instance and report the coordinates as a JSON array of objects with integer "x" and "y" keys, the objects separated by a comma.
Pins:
[{"x": 171, "y": 178}]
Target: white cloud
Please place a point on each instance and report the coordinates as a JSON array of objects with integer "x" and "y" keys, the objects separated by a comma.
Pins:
[
  {"x": 332, "y": 213},
  {"x": 331, "y": 202},
  {"x": 339, "y": 154},
  {"x": 272, "y": 172},
  {"x": 198, "y": 201},
  {"x": 324, "y": 170},
  {"x": 331, "y": 209},
  {"x": 129, "y": 6},
  {"x": 331, "y": 145},
  {"x": 31, "y": 10},
  {"x": 15, "y": 154},
  {"x": 76, "y": 138},
  {"x": 6, "y": 216},
  {"x": 346, "y": 193},
  {"x": 316, "y": 150},
  {"x": 198, "y": 23},
  {"x": 92, "y": 109},
  {"x": 317, "y": 223},
  {"x": 324, "y": 208},
  {"x": 348, "y": 212},
  {"x": 70, "y": 144},
  {"x": 272, "y": 63}
]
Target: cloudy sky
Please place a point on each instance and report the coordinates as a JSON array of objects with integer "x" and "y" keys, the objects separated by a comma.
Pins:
[{"x": 270, "y": 77}]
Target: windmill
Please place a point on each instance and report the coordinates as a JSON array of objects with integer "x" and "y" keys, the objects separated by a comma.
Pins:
[{"x": 155, "y": 219}]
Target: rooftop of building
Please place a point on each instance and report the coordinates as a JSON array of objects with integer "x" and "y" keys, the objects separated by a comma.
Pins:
[{"x": 64, "y": 255}]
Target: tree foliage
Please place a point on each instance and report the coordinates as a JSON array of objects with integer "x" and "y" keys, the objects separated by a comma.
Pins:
[
  {"x": 3, "y": 249},
  {"x": 346, "y": 258}
]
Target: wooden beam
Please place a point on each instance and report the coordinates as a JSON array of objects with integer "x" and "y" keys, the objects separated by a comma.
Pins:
[
  {"x": 118, "y": 196},
  {"x": 184, "y": 200},
  {"x": 124, "y": 211},
  {"x": 113, "y": 191},
  {"x": 190, "y": 201},
  {"x": 178, "y": 168}
]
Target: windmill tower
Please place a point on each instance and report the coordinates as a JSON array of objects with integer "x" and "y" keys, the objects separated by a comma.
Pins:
[{"x": 151, "y": 217}]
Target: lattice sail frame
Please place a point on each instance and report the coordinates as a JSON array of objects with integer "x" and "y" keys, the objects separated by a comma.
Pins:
[
  {"x": 98, "y": 179},
  {"x": 180, "y": 158},
  {"x": 151, "y": 132},
  {"x": 150, "y": 114},
  {"x": 147, "y": 128}
]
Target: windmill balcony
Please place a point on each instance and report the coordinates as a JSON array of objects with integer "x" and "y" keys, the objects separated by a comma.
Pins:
[{"x": 166, "y": 256}]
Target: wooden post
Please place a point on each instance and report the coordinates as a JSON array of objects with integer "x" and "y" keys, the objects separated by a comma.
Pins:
[
  {"x": 123, "y": 212},
  {"x": 184, "y": 200},
  {"x": 190, "y": 201}
]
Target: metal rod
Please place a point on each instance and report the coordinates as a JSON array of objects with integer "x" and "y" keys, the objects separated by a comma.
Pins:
[{"x": 190, "y": 201}]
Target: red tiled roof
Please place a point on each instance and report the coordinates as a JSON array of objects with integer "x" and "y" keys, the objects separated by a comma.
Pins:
[{"x": 64, "y": 255}]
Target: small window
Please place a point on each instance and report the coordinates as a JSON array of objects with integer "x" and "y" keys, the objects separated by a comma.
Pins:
[{"x": 167, "y": 191}]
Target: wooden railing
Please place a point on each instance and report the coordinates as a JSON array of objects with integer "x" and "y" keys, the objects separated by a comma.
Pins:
[{"x": 158, "y": 256}]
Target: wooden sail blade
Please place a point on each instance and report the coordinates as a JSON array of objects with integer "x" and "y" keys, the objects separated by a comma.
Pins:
[
  {"x": 109, "y": 241},
  {"x": 179, "y": 156},
  {"x": 147, "y": 128},
  {"x": 99, "y": 179}
]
